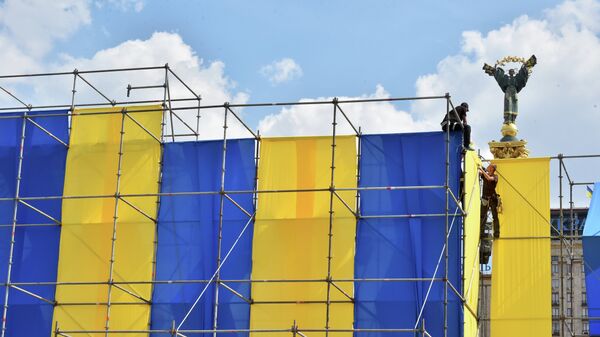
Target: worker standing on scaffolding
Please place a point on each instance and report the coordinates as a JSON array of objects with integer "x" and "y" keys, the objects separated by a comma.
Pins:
[
  {"x": 456, "y": 119},
  {"x": 489, "y": 198}
]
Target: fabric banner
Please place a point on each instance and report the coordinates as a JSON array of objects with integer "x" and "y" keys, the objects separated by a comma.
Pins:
[
  {"x": 291, "y": 236},
  {"x": 411, "y": 246},
  {"x": 35, "y": 254},
  {"x": 521, "y": 279},
  {"x": 188, "y": 235},
  {"x": 591, "y": 258},
  {"x": 87, "y": 230},
  {"x": 471, "y": 243}
]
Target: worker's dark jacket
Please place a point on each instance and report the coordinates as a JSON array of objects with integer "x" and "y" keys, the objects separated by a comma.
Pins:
[
  {"x": 489, "y": 188},
  {"x": 460, "y": 111}
]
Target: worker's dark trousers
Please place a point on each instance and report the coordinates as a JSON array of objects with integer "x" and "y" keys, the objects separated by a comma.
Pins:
[
  {"x": 466, "y": 132},
  {"x": 486, "y": 204}
]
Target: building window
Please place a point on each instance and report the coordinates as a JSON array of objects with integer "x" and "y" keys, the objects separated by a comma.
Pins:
[
  {"x": 584, "y": 312},
  {"x": 554, "y": 268},
  {"x": 586, "y": 328},
  {"x": 555, "y": 328},
  {"x": 554, "y": 258},
  {"x": 554, "y": 298},
  {"x": 583, "y": 268},
  {"x": 584, "y": 298},
  {"x": 555, "y": 312},
  {"x": 555, "y": 283},
  {"x": 569, "y": 312}
]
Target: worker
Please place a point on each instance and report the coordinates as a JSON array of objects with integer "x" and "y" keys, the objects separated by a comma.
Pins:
[
  {"x": 489, "y": 198},
  {"x": 456, "y": 119}
]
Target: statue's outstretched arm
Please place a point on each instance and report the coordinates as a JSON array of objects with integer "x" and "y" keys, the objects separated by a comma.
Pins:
[
  {"x": 531, "y": 62},
  {"x": 501, "y": 78},
  {"x": 522, "y": 76},
  {"x": 489, "y": 69}
]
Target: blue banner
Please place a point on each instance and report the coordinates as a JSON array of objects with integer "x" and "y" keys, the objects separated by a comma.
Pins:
[
  {"x": 35, "y": 255},
  {"x": 411, "y": 246},
  {"x": 188, "y": 228},
  {"x": 591, "y": 259}
]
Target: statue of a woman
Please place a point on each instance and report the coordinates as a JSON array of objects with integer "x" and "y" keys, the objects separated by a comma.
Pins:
[{"x": 511, "y": 84}]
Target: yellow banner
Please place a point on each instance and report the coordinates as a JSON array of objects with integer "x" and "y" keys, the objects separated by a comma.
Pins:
[
  {"x": 471, "y": 243},
  {"x": 521, "y": 279},
  {"x": 291, "y": 235},
  {"x": 87, "y": 223}
]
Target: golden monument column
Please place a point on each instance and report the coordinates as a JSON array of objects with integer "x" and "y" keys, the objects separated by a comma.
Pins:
[{"x": 509, "y": 145}]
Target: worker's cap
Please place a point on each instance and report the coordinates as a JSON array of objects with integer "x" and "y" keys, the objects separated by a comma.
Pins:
[{"x": 465, "y": 105}]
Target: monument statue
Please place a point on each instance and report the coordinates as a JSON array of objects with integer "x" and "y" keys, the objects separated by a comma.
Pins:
[{"x": 511, "y": 84}]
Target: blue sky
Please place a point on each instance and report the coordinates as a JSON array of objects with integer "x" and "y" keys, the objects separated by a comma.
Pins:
[{"x": 343, "y": 47}]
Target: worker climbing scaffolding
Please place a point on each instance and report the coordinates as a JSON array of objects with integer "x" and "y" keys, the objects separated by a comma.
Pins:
[
  {"x": 489, "y": 198},
  {"x": 489, "y": 201}
]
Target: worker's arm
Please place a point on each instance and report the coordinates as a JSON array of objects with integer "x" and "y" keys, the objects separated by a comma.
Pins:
[{"x": 486, "y": 176}]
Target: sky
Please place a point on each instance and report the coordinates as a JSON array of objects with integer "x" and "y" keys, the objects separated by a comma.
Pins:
[{"x": 275, "y": 51}]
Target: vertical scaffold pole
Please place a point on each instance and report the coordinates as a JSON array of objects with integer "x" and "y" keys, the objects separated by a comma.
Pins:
[
  {"x": 220, "y": 235},
  {"x": 331, "y": 215},
  {"x": 115, "y": 221},
  {"x": 466, "y": 209},
  {"x": 572, "y": 251},
  {"x": 561, "y": 223},
  {"x": 561, "y": 250},
  {"x": 14, "y": 223},
  {"x": 198, "y": 118},
  {"x": 156, "y": 214},
  {"x": 256, "y": 161},
  {"x": 447, "y": 185},
  {"x": 168, "y": 96},
  {"x": 73, "y": 92},
  {"x": 165, "y": 107},
  {"x": 358, "y": 155}
]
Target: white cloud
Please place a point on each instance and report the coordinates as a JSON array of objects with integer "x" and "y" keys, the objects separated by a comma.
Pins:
[
  {"x": 29, "y": 29},
  {"x": 33, "y": 25},
  {"x": 560, "y": 98},
  {"x": 281, "y": 71},
  {"x": 559, "y": 107},
  {"x": 208, "y": 80},
  {"x": 584, "y": 14},
  {"x": 375, "y": 117},
  {"x": 561, "y": 94},
  {"x": 14, "y": 60}
]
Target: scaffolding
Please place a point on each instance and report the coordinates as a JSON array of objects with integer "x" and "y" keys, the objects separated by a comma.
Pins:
[
  {"x": 568, "y": 240},
  {"x": 186, "y": 111}
]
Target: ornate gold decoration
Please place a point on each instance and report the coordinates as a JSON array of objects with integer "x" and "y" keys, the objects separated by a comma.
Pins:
[
  {"x": 504, "y": 150},
  {"x": 514, "y": 59},
  {"x": 509, "y": 129}
]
